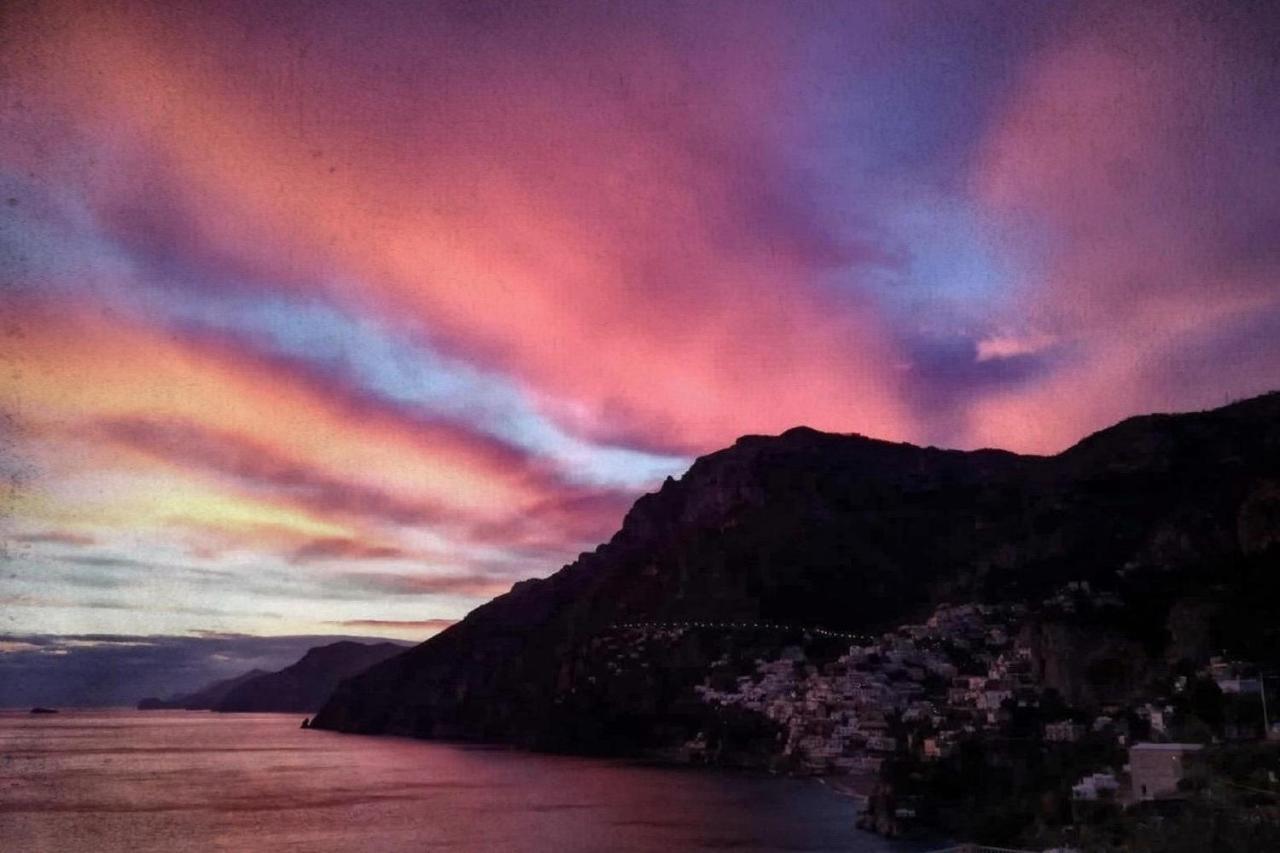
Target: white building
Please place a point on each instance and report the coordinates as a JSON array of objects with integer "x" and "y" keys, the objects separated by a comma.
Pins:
[{"x": 1098, "y": 786}]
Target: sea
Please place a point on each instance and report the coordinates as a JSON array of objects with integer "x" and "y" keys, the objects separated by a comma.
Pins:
[{"x": 102, "y": 781}]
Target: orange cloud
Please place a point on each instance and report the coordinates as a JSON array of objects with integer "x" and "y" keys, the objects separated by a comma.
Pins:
[
  {"x": 201, "y": 433},
  {"x": 415, "y": 629}
]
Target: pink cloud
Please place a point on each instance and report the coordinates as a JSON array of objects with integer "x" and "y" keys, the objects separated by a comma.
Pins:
[
  {"x": 335, "y": 548},
  {"x": 1130, "y": 145},
  {"x": 424, "y": 624},
  {"x": 626, "y": 248},
  {"x": 473, "y": 584},
  {"x": 584, "y": 202}
]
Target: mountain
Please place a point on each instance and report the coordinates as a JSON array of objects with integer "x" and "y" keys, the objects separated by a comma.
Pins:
[
  {"x": 304, "y": 686},
  {"x": 839, "y": 532},
  {"x": 205, "y": 698}
]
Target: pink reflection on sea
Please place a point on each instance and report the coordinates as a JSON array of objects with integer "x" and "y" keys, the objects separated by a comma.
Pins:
[{"x": 177, "y": 780}]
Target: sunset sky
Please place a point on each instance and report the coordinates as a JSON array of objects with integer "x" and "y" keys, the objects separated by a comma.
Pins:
[{"x": 324, "y": 318}]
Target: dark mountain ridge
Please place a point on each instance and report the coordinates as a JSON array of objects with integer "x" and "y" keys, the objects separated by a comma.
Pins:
[
  {"x": 204, "y": 699},
  {"x": 304, "y": 686},
  {"x": 822, "y": 530}
]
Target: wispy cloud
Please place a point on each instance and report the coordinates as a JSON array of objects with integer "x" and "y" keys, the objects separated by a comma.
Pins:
[
  {"x": 433, "y": 625},
  {"x": 422, "y": 583},
  {"x": 56, "y": 537},
  {"x": 329, "y": 549}
]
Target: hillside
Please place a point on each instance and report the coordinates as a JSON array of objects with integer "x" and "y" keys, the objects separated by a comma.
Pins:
[
  {"x": 304, "y": 686},
  {"x": 841, "y": 532},
  {"x": 204, "y": 699}
]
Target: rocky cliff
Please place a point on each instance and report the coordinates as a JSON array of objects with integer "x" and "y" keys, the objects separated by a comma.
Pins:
[{"x": 838, "y": 531}]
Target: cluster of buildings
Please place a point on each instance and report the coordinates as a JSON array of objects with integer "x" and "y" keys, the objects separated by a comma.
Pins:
[
  {"x": 919, "y": 689},
  {"x": 1234, "y": 677},
  {"x": 1080, "y": 596}
]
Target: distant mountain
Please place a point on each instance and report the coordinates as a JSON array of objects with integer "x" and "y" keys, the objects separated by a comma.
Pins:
[
  {"x": 114, "y": 671},
  {"x": 834, "y": 531},
  {"x": 204, "y": 699},
  {"x": 305, "y": 685}
]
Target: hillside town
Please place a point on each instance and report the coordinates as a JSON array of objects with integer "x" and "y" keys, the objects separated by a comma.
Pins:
[
  {"x": 918, "y": 689},
  {"x": 902, "y": 705}
]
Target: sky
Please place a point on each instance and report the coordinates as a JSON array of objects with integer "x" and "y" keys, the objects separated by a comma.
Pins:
[{"x": 321, "y": 321}]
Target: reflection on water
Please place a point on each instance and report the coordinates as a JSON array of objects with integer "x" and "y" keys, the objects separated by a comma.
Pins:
[{"x": 175, "y": 780}]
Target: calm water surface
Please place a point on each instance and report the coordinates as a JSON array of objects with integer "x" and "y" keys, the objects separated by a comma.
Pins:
[{"x": 173, "y": 780}]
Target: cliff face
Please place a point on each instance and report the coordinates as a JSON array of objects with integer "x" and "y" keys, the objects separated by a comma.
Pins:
[
  {"x": 815, "y": 529},
  {"x": 305, "y": 685}
]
